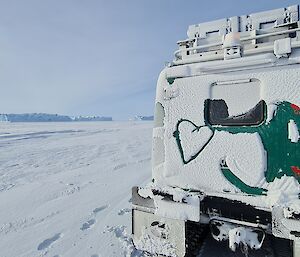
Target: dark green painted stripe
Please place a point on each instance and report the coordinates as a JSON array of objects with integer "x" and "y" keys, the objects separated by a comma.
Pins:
[
  {"x": 176, "y": 134},
  {"x": 233, "y": 179}
]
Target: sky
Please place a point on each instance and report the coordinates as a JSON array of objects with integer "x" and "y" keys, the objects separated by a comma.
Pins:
[{"x": 96, "y": 57}]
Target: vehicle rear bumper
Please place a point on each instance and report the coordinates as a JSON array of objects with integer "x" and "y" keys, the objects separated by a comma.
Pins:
[{"x": 280, "y": 221}]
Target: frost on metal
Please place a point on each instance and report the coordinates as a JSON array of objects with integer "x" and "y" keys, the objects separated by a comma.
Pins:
[
  {"x": 244, "y": 236},
  {"x": 173, "y": 203},
  {"x": 234, "y": 37},
  {"x": 227, "y": 124},
  {"x": 236, "y": 133},
  {"x": 191, "y": 153},
  {"x": 237, "y": 236},
  {"x": 245, "y": 153}
]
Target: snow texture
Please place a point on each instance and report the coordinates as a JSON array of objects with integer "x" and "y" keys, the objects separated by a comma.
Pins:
[
  {"x": 282, "y": 47},
  {"x": 151, "y": 244},
  {"x": 247, "y": 95},
  {"x": 180, "y": 211},
  {"x": 283, "y": 192},
  {"x": 243, "y": 152},
  {"x": 244, "y": 236},
  {"x": 65, "y": 188},
  {"x": 293, "y": 131},
  {"x": 185, "y": 206}
]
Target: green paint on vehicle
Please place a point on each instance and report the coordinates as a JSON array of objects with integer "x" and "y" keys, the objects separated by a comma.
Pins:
[
  {"x": 176, "y": 134},
  {"x": 233, "y": 179},
  {"x": 283, "y": 156},
  {"x": 171, "y": 80}
]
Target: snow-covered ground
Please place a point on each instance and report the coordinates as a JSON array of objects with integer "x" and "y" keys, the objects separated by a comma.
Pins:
[{"x": 65, "y": 187}]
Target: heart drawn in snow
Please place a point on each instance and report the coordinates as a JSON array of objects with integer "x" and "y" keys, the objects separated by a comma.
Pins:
[{"x": 191, "y": 139}]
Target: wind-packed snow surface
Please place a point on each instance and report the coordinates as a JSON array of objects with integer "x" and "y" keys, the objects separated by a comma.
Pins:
[{"x": 65, "y": 188}]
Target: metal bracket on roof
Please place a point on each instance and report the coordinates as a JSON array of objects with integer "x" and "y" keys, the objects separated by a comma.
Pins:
[
  {"x": 263, "y": 32},
  {"x": 282, "y": 47}
]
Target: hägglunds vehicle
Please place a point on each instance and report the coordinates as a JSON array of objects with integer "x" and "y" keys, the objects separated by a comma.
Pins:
[{"x": 226, "y": 149}]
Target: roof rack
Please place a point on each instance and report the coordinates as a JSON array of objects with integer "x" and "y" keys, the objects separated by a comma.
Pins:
[{"x": 276, "y": 31}]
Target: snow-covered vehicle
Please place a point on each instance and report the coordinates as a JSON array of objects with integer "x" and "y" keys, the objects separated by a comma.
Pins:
[{"x": 226, "y": 150}]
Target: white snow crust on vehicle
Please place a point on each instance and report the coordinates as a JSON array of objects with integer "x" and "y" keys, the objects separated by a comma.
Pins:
[{"x": 226, "y": 132}]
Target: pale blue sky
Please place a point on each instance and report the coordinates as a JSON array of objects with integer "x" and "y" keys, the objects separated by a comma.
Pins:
[{"x": 96, "y": 57}]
